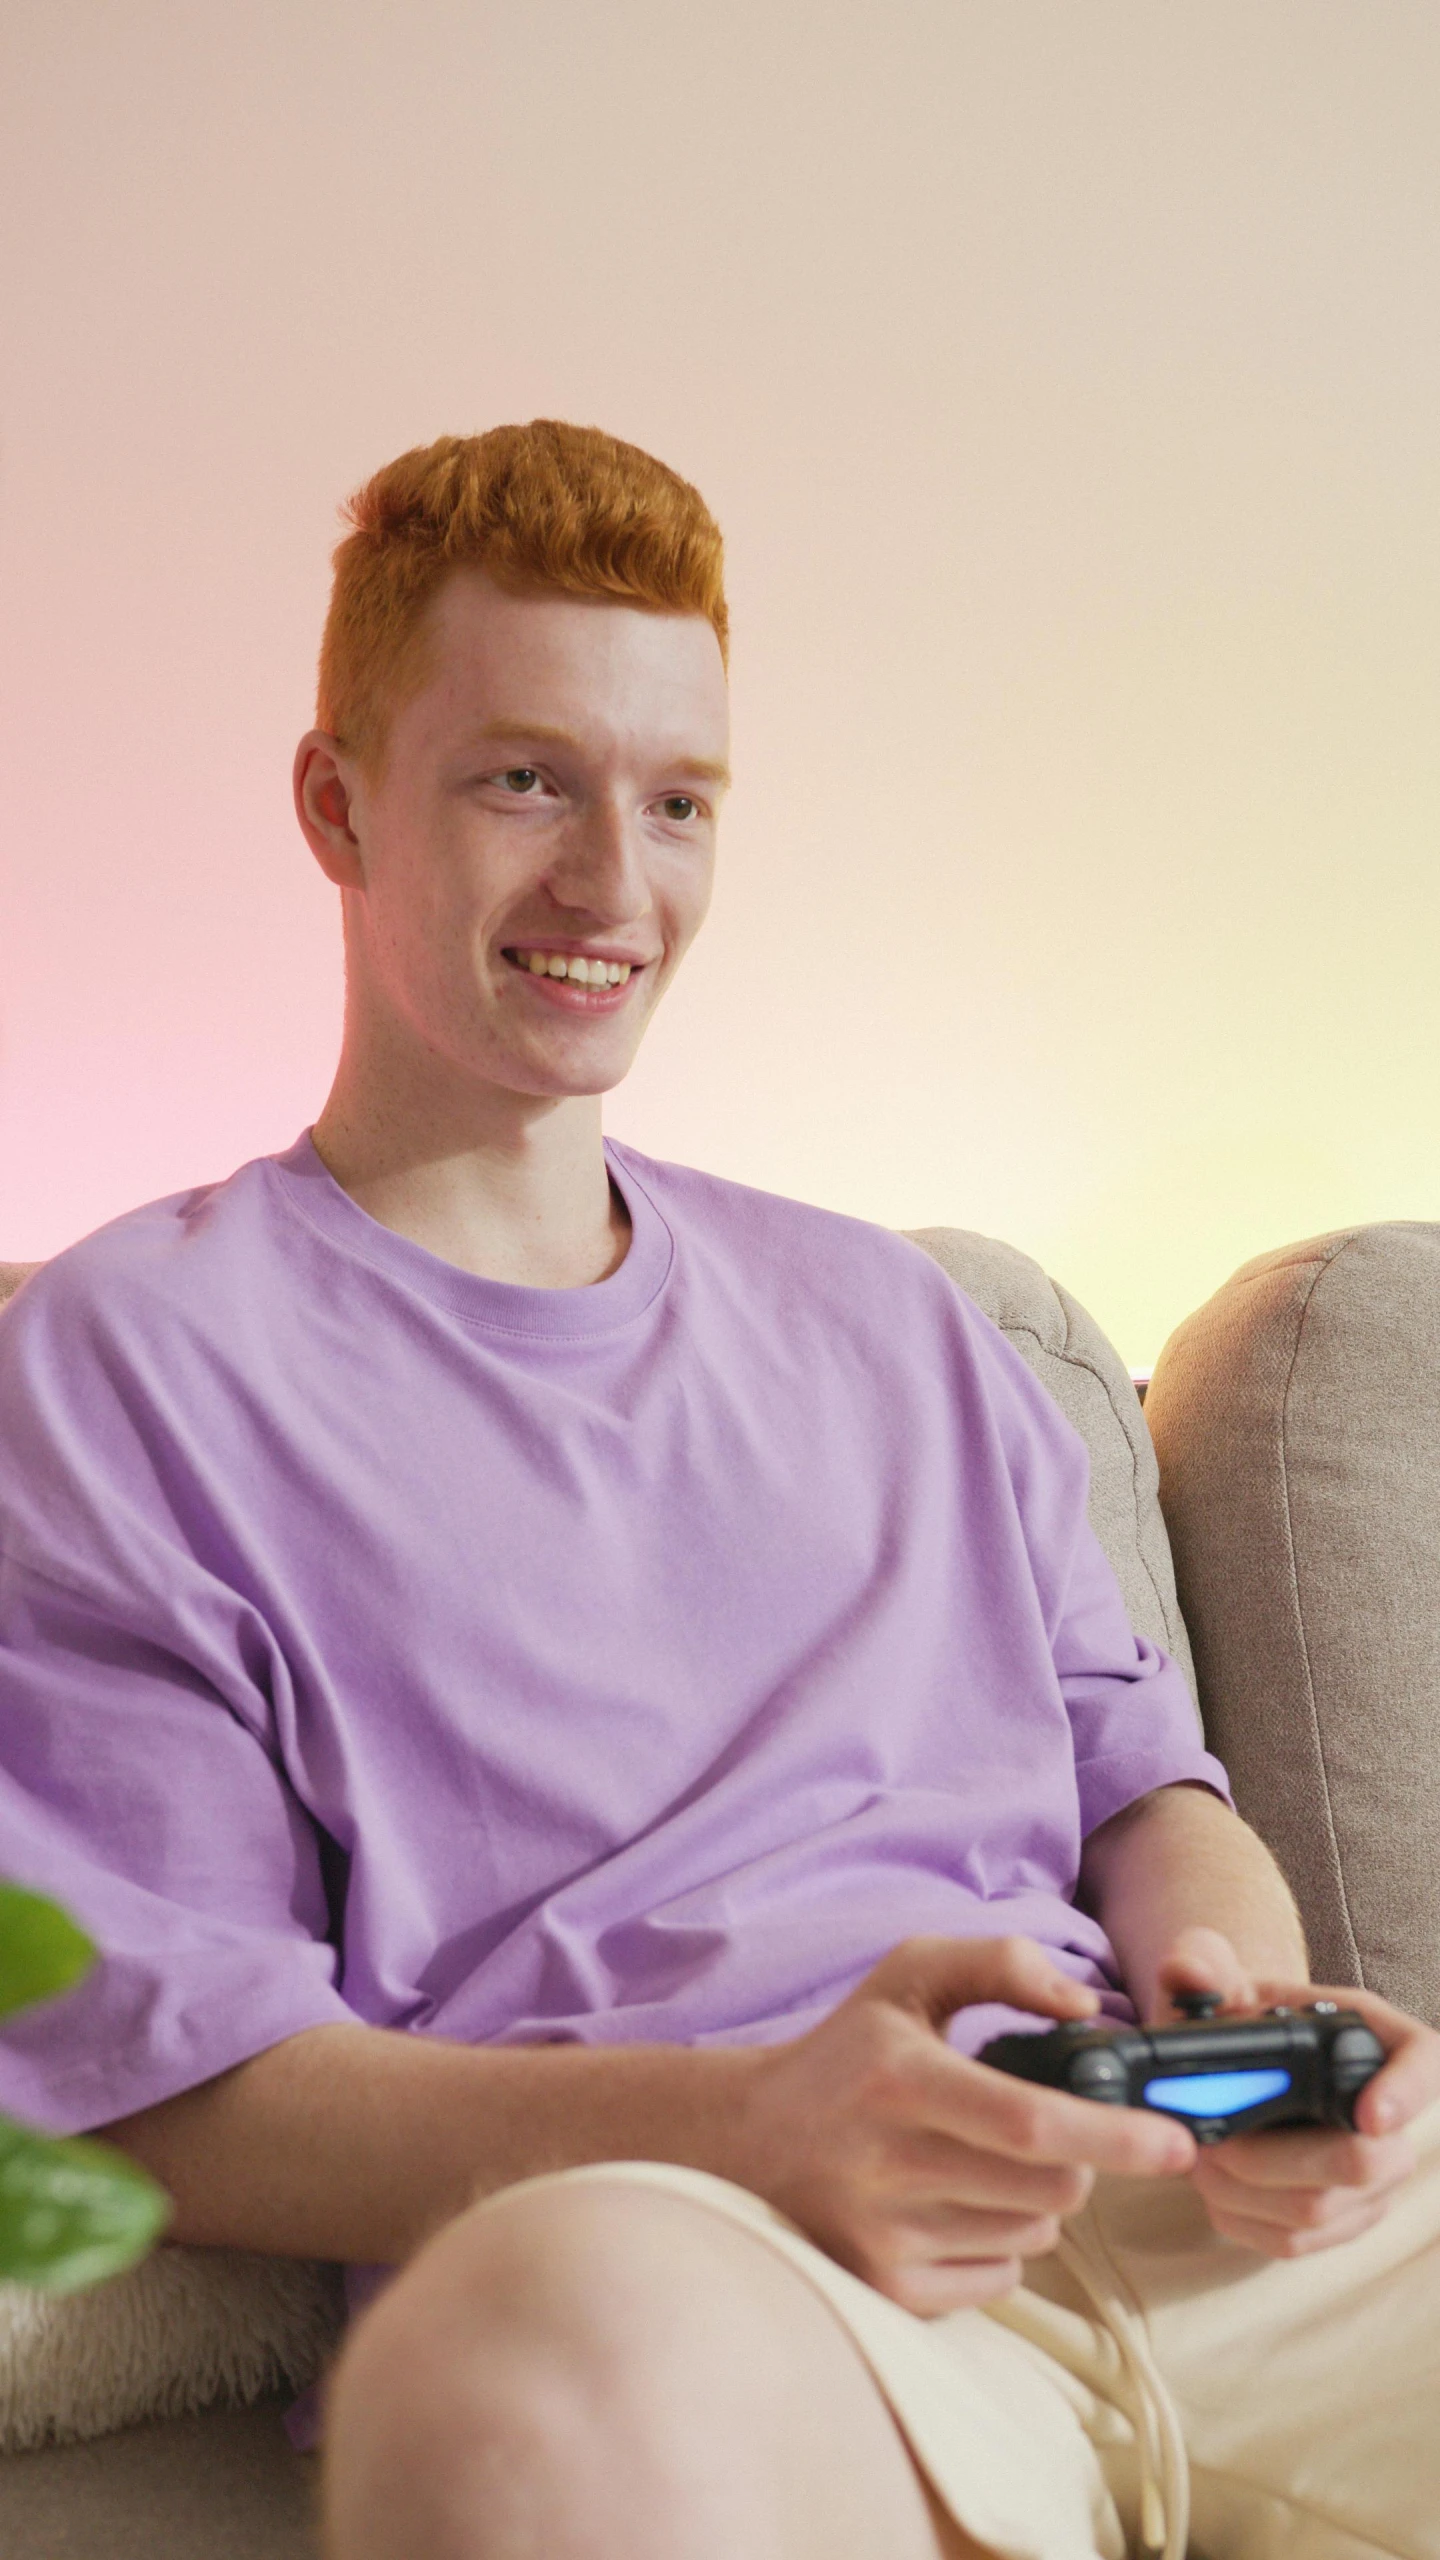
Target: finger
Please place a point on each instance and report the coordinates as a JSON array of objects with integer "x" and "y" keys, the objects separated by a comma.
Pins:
[
  {"x": 1274, "y": 2240},
  {"x": 933, "y": 1977},
  {"x": 1410, "y": 2080},
  {"x": 945, "y": 2230},
  {"x": 927, "y": 2163},
  {"x": 1407, "y": 2085},
  {"x": 1296, "y": 2208},
  {"x": 1315, "y": 2160},
  {"x": 1290, "y": 2208},
  {"x": 1204, "y": 1960},
  {"x": 976, "y": 2104}
]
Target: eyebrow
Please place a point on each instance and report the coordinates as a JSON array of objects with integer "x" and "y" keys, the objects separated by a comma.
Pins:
[{"x": 542, "y": 733}]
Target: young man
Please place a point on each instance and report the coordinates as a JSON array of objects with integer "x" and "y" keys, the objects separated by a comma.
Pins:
[{"x": 575, "y": 1696}]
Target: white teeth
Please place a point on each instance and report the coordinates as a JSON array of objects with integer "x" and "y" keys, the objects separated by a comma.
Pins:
[
  {"x": 577, "y": 968},
  {"x": 580, "y": 971}
]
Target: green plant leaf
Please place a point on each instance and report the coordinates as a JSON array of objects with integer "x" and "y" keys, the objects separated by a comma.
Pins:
[
  {"x": 41, "y": 1950},
  {"x": 72, "y": 2211}
]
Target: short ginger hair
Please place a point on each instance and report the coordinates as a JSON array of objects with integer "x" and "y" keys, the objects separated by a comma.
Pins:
[{"x": 541, "y": 507}]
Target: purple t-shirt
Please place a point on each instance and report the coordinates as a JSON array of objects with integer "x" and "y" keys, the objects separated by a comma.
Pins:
[{"x": 631, "y": 1663}]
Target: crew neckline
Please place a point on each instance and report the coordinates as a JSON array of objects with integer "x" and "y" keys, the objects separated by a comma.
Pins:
[{"x": 312, "y": 1193}]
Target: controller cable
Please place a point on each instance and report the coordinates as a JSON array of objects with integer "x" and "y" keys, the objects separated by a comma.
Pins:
[{"x": 1164, "y": 2464}]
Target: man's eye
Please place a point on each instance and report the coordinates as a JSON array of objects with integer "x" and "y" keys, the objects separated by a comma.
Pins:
[
  {"x": 680, "y": 806},
  {"x": 520, "y": 779}
]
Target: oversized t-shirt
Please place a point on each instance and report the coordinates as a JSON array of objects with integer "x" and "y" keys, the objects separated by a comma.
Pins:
[{"x": 633, "y": 1662}]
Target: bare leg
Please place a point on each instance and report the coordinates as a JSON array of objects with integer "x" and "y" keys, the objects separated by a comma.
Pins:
[{"x": 612, "y": 2373}]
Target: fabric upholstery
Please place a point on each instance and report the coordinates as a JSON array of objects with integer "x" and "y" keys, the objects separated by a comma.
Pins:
[
  {"x": 184, "y": 2328},
  {"x": 1297, "y": 1422},
  {"x": 225, "y": 2486},
  {"x": 1088, "y": 1380}
]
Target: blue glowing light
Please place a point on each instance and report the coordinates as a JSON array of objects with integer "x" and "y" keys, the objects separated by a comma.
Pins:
[{"x": 1215, "y": 2093}]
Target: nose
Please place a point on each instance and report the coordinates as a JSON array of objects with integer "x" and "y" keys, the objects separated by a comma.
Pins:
[{"x": 600, "y": 869}]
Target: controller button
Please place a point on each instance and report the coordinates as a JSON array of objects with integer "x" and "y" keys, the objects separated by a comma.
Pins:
[
  {"x": 1355, "y": 2048},
  {"x": 1097, "y": 2074},
  {"x": 1325, "y": 2008}
]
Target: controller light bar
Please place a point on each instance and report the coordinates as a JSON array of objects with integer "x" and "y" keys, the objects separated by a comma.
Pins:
[{"x": 1215, "y": 2093}]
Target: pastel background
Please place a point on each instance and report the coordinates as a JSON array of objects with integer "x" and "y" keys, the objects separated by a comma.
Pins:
[{"x": 1066, "y": 375}]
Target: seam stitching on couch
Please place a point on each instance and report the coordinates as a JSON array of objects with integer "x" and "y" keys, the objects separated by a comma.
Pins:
[
  {"x": 1337, "y": 1862},
  {"x": 1080, "y": 1360}
]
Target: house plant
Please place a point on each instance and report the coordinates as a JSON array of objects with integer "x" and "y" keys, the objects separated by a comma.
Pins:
[{"x": 71, "y": 2211}]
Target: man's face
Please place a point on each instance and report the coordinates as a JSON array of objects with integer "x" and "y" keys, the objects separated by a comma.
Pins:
[{"x": 548, "y": 799}]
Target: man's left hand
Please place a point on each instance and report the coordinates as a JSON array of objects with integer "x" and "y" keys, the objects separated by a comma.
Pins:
[{"x": 1289, "y": 2193}]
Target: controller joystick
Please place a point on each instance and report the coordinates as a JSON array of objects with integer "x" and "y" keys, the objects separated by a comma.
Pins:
[{"x": 1195, "y": 2004}]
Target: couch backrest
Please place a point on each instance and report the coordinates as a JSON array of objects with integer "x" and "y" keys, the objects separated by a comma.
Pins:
[
  {"x": 1093, "y": 1388},
  {"x": 1297, "y": 1421}
]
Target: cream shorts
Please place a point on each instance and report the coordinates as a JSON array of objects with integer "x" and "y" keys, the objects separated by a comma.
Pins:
[{"x": 1155, "y": 2388}]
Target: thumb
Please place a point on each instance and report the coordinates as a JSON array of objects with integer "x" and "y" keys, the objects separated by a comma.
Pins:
[
  {"x": 933, "y": 1977},
  {"x": 1203, "y": 1960}
]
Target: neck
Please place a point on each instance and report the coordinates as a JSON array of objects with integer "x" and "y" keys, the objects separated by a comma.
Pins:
[{"x": 510, "y": 1186}]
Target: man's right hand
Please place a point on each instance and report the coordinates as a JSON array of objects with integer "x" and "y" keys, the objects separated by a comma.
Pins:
[{"x": 932, "y": 2176}]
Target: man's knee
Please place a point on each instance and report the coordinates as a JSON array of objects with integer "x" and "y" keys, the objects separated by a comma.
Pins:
[
  {"x": 539, "y": 2334},
  {"x": 626, "y": 2284},
  {"x": 603, "y": 2333}
]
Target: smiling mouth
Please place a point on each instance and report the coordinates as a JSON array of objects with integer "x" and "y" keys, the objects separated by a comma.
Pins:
[{"x": 572, "y": 966}]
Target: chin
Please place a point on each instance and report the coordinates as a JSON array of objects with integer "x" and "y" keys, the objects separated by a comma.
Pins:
[{"x": 565, "y": 1080}]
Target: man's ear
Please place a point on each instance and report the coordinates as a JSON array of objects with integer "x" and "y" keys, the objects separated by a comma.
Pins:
[{"x": 324, "y": 785}]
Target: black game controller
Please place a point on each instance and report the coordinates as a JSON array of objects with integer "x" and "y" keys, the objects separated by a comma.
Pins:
[{"x": 1218, "y": 2075}]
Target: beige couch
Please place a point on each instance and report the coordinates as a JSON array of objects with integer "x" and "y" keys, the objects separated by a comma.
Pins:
[{"x": 1297, "y": 1423}]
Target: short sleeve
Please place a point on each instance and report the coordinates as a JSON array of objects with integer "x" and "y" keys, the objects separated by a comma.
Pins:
[
  {"x": 1132, "y": 1719},
  {"x": 140, "y": 1783},
  {"x": 1131, "y": 1713}
]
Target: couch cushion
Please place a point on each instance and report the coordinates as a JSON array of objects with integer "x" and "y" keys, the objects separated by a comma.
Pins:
[
  {"x": 1094, "y": 1390},
  {"x": 184, "y": 2328},
  {"x": 225, "y": 2486},
  {"x": 1297, "y": 1421}
]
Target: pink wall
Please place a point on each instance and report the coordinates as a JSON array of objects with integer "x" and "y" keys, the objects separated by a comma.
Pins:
[{"x": 1066, "y": 382}]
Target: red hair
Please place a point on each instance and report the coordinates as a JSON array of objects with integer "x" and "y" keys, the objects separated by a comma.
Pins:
[{"x": 545, "y": 506}]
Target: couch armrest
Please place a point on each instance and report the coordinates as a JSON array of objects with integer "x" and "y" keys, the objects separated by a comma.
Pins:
[{"x": 1296, "y": 1418}]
